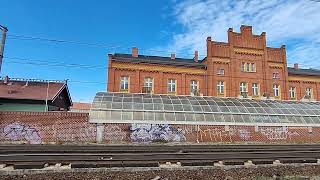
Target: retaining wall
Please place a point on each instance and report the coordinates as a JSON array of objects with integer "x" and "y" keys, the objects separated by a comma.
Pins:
[{"x": 69, "y": 127}]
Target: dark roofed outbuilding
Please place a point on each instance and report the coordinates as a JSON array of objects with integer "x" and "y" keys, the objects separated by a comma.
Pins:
[{"x": 34, "y": 95}]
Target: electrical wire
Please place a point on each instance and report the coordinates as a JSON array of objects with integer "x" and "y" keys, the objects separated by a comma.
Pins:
[{"x": 102, "y": 45}]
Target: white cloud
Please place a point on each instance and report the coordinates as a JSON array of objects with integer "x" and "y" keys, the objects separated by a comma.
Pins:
[{"x": 294, "y": 23}]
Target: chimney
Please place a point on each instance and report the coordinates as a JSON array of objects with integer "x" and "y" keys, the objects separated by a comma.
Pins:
[
  {"x": 296, "y": 66},
  {"x": 173, "y": 56},
  {"x": 135, "y": 52},
  {"x": 6, "y": 80},
  {"x": 196, "y": 56}
]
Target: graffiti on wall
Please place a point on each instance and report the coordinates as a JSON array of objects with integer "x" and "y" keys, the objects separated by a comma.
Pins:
[
  {"x": 22, "y": 132},
  {"x": 156, "y": 132},
  {"x": 214, "y": 134},
  {"x": 244, "y": 134},
  {"x": 218, "y": 134},
  {"x": 277, "y": 133},
  {"x": 114, "y": 133}
]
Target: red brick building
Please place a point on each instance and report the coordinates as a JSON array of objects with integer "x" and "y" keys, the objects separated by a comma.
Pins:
[{"x": 242, "y": 67}]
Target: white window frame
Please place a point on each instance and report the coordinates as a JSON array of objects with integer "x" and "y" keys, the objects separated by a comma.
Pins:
[
  {"x": 247, "y": 67},
  {"x": 124, "y": 82},
  {"x": 293, "y": 92},
  {"x": 253, "y": 67},
  {"x": 276, "y": 90},
  {"x": 220, "y": 87},
  {"x": 255, "y": 89},
  {"x": 172, "y": 85},
  {"x": 243, "y": 67},
  {"x": 194, "y": 85},
  {"x": 309, "y": 92},
  {"x": 275, "y": 75},
  {"x": 243, "y": 87},
  {"x": 148, "y": 82}
]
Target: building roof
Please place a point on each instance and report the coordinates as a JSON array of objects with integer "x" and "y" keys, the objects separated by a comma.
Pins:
[
  {"x": 162, "y": 109},
  {"x": 157, "y": 60},
  {"x": 31, "y": 89},
  {"x": 307, "y": 72},
  {"x": 81, "y": 106}
]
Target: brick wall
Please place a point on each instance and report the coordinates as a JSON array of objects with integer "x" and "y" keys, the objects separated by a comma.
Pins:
[
  {"x": 44, "y": 127},
  {"x": 68, "y": 127}
]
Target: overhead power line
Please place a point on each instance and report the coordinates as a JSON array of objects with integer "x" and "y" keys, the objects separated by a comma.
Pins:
[
  {"x": 52, "y": 63},
  {"x": 101, "y": 45},
  {"x": 58, "y": 63}
]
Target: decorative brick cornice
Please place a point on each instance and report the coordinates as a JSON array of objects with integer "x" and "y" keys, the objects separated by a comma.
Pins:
[
  {"x": 220, "y": 60},
  {"x": 275, "y": 65},
  {"x": 143, "y": 67},
  {"x": 309, "y": 80},
  {"x": 248, "y": 51}
]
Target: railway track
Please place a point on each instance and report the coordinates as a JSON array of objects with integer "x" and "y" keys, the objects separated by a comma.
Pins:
[{"x": 96, "y": 156}]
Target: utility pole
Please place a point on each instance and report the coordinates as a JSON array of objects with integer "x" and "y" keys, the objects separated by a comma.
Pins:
[{"x": 3, "y": 41}]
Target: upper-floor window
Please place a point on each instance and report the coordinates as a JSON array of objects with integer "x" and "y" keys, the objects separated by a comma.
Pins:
[
  {"x": 275, "y": 75},
  {"x": 148, "y": 82},
  {"x": 172, "y": 85},
  {"x": 292, "y": 92},
  {"x": 124, "y": 83},
  {"x": 248, "y": 67},
  {"x": 255, "y": 89},
  {"x": 220, "y": 87},
  {"x": 276, "y": 90},
  {"x": 243, "y": 87},
  {"x": 309, "y": 92},
  {"x": 194, "y": 87},
  {"x": 148, "y": 85},
  {"x": 220, "y": 71}
]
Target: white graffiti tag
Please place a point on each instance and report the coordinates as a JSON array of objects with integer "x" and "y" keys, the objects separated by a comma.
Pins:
[
  {"x": 154, "y": 132},
  {"x": 277, "y": 133},
  {"x": 244, "y": 134},
  {"x": 19, "y": 131}
]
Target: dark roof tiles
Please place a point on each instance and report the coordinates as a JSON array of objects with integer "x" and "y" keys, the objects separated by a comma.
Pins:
[
  {"x": 306, "y": 72},
  {"x": 157, "y": 60}
]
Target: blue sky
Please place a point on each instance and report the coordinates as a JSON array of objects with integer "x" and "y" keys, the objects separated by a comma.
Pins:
[{"x": 157, "y": 27}]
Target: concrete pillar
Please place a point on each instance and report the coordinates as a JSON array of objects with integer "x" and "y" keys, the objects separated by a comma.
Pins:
[{"x": 100, "y": 133}]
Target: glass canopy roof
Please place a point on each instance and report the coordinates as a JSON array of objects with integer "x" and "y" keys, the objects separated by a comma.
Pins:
[{"x": 125, "y": 107}]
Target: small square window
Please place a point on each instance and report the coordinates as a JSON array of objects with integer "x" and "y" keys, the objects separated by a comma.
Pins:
[
  {"x": 275, "y": 75},
  {"x": 220, "y": 71}
]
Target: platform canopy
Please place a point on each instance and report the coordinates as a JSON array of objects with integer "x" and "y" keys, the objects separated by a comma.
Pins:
[{"x": 168, "y": 109}]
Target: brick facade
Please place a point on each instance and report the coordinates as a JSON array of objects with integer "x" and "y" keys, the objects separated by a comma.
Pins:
[{"x": 243, "y": 47}]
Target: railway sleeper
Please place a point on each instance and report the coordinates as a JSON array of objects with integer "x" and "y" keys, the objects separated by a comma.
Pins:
[
  {"x": 114, "y": 164},
  {"x": 198, "y": 162},
  {"x": 233, "y": 162},
  {"x": 262, "y": 161},
  {"x": 29, "y": 165},
  {"x": 300, "y": 160}
]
